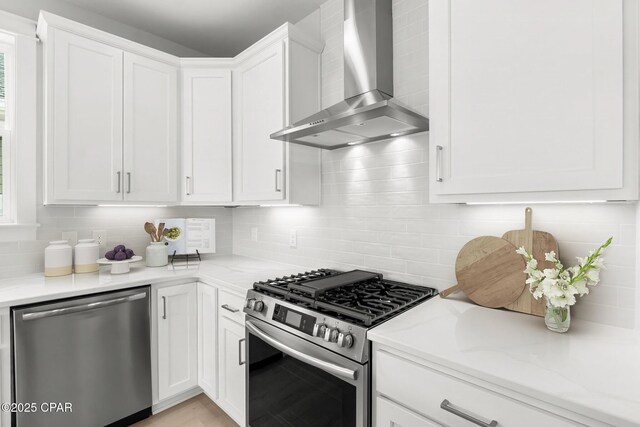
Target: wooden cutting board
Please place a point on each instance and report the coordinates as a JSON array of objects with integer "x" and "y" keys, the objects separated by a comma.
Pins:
[
  {"x": 489, "y": 272},
  {"x": 537, "y": 243}
]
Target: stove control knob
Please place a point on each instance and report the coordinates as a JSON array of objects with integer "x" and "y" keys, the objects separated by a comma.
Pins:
[
  {"x": 318, "y": 330},
  {"x": 345, "y": 340},
  {"x": 258, "y": 306},
  {"x": 331, "y": 335},
  {"x": 250, "y": 303}
]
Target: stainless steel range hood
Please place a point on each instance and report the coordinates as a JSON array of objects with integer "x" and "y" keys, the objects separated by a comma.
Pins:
[{"x": 369, "y": 112}]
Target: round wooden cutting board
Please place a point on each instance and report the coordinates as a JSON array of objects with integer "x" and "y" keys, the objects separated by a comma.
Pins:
[{"x": 490, "y": 272}]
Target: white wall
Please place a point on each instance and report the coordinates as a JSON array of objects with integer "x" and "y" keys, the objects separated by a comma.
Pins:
[
  {"x": 375, "y": 212},
  {"x": 30, "y": 9}
]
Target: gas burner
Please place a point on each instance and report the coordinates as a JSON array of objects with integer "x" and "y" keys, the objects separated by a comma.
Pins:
[{"x": 359, "y": 297}]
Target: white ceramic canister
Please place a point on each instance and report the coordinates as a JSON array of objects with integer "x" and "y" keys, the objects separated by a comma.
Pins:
[
  {"x": 86, "y": 256},
  {"x": 157, "y": 255},
  {"x": 57, "y": 258}
]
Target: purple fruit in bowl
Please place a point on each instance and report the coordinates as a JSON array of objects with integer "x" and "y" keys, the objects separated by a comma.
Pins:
[
  {"x": 129, "y": 253},
  {"x": 110, "y": 255},
  {"x": 119, "y": 248},
  {"x": 120, "y": 256}
]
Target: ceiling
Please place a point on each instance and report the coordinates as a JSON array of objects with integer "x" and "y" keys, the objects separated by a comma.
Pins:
[{"x": 220, "y": 28}]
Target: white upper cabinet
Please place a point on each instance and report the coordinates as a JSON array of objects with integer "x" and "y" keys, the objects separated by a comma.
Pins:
[
  {"x": 533, "y": 100},
  {"x": 150, "y": 130},
  {"x": 111, "y": 117},
  {"x": 84, "y": 136},
  {"x": 206, "y": 132},
  {"x": 275, "y": 83}
]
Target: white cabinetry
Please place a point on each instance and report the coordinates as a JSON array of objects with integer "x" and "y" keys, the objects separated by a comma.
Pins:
[
  {"x": 176, "y": 318},
  {"x": 231, "y": 356},
  {"x": 206, "y": 131},
  {"x": 207, "y": 334},
  {"x": 110, "y": 117},
  {"x": 150, "y": 130},
  {"x": 275, "y": 83},
  {"x": 533, "y": 100},
  {"x": 83, "y": 155},
  {"x": 412, "y": 392}
]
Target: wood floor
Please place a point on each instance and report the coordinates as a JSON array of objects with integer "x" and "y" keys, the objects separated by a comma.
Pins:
[{"x": 199, "y": 411}]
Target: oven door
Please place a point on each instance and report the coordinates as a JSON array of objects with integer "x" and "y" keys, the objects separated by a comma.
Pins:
[{"x": 293, "y": 382}]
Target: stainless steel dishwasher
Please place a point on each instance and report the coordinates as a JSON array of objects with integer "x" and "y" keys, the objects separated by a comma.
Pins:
[{"x": 89, "y": 354}]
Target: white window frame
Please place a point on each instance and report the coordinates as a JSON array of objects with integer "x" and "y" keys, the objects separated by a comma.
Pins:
[
  {"x": 19, "y": 222},
  {"x": 8, "y": 215}
]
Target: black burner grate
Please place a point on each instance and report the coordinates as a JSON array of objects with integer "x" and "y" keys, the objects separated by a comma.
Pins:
[{"x": 367, "y": 302}]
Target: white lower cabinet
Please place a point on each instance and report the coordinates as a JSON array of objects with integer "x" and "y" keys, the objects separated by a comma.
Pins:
[
  {"x": 231, "y": 353},
  {"x": 176, "y": 318},
  {"x": 413, "y": 392},
  {"x": 390, "y": 414},
  {"x": 207, "y": 334}
]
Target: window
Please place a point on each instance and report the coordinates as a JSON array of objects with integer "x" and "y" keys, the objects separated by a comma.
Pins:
[{"x": 6, "y": 125}]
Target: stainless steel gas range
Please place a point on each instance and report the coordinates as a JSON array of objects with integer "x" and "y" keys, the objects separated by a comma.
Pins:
[{"x": 307, "y": 348}]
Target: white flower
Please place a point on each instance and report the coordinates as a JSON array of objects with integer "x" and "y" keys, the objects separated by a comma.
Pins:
[
  {"x": 593, "y": 275},
  {"x": 522, "y": 251},
  {"x": 559, "y": 285},
  {"x": 550, "y": 273},
  {"x": 581, "y": 287}
]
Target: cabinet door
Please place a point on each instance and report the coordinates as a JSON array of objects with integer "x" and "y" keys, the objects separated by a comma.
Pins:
[
  {"x": 207, "y": 333},
  {"x": 150, "y": 130},
  {"x": 526, "y": 96},
  {"x": 83, "y": 118},
  {"x": 232, "y": 370},
  {"x": 389, "y": 414},
  {"x": 206, "y": 136},
  {"x": 259, "y": 94},
  {"x": 177, "y": 340}
]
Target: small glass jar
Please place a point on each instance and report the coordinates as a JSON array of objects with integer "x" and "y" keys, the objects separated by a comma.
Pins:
[
  {"x": 157, "y": 255},
  {"x": 58, "y": 258},
  {"x": 557, "y": 319},
  {"x": 86, "y": 256}
]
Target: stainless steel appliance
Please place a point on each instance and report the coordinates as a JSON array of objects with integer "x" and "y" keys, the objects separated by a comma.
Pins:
[
  {"x": 89, "y": 354},
  {"x": 369, "y": 112},
  {"x": 307, "y": 349}
]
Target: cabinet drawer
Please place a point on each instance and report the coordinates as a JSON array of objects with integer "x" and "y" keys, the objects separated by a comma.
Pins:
[
  {"x": 231, "y": 306},
  {"x": 423, "y": 390},
  {"x": 394, "y": 415}
]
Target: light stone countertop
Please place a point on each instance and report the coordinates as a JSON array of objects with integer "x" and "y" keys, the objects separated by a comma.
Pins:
[
  {"x": 235, "y": 272},
  {"x": 593, "y": 369}
]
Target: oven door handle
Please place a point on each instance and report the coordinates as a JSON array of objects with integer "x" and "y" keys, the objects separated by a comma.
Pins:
[{"x": 331, "y": 368}]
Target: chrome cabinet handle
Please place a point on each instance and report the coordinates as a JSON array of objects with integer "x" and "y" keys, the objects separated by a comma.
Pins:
[
  {"x": 164, "y": 307},
  {"x": 439, "y": 163},
  {"x": 119, "y": 181},
  {"x": 446, "y": 405},
  {"x": 231, "y": 309},
  {"x": 83, "y": 307},
  {"x": 128, "y": 182},
  {"x": 240, "y": 362},
  {"x": 187, "y": 185},
  {"x": 329, "y": 367},
  {"x": 278, "y": 176}
]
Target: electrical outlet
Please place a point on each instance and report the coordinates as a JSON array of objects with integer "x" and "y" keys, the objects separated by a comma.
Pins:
[
  {"x": 293, "y": 238},
  {"x": 100, "y": 236},
  {"x": 71, "y": 237},
  {"x": 254, "y": 234}
]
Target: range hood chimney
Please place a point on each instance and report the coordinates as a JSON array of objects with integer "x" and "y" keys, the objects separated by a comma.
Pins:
[{"x": 369, "y": 113}]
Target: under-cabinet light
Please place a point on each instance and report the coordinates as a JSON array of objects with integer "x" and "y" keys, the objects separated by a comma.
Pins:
[
  {"x": 537, "y": 202},
  {"x": 133, "y": 206}
]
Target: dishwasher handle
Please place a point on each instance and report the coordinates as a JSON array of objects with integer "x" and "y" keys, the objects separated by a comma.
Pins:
[{"x": 83, "y": 307}]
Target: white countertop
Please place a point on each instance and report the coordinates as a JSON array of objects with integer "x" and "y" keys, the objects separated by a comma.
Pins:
[
  {"x": 232, "y": 271},
  {"x": 593, "y": 369}
]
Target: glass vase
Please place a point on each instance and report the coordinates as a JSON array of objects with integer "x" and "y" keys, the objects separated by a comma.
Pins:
[{"x": 557, "y": 319}]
